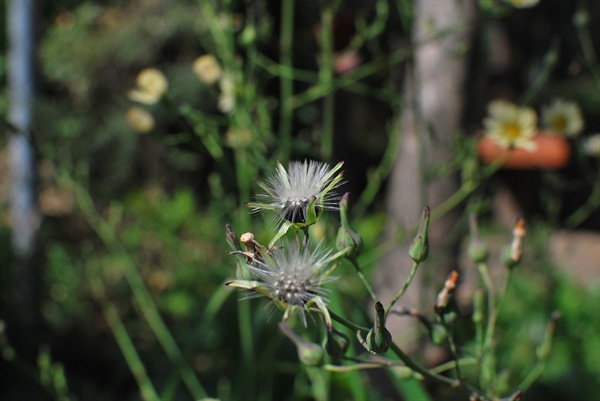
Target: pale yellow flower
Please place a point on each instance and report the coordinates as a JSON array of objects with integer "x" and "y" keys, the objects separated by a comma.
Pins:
[
  {"x": 140, "y": 120},
  {"x": 563, "y": 117},
  {"x": 207, "y": 69},
  {"x": 151, "y": 85},
  {"x": 591, "y": 145},
  {"x": 510, "y": 126},
  {"x": 238, "y": 137},
  {"x": 522, "y": 3},
  {"x": 226, "y": 100}
]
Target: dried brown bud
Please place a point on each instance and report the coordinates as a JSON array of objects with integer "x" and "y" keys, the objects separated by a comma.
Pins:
[{"x": 446, "y": 294}]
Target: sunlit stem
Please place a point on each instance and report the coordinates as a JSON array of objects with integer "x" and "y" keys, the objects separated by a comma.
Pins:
[
  {"x": 404, "y": 287},
  {"x": 452, "y": 364},
  {"x": 487, "y": 357},
  {"x": 347, "y": 323},
  {"x": 364, "y": 279},
  {"x": 420, "y": 369},
  {"x": 453, "y": 350}
]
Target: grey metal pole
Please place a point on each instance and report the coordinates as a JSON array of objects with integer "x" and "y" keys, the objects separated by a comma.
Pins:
[{"x": 24, "y": 214}]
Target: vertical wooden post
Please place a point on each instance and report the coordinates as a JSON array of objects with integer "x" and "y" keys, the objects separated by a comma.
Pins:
[{"x": 431, "y": 119}]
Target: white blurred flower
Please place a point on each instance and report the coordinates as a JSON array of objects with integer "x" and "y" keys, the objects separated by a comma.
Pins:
[
  {"x": 207, "y": 69},
  {"x": 510, "y": 126},
  {"x": 563, "y": 117},
  {"x": 151, "y": 85},
  {"x": 591, "y": 145}
]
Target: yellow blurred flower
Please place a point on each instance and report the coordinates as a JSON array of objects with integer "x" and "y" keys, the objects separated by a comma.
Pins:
[
  {"x": 562, "y": 116},
  {"x": 591, "y": 145},
  {"x": 54, "y": 201},
  {"x": 207, "y": 69},
  {"x": 238, "y": 137},
  {"x": 140, "y": 120},
  {"x": 226, "y": 100},
  {"x": 151, "y": 85},
  {"x": 522, "y": 3},
  {"x": 510, "y": 126}
]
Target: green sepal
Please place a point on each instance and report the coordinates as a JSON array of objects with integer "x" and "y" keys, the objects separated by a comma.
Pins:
[
  {"x": 310, "y": 354},
  {"x": 285, "y": 226}
]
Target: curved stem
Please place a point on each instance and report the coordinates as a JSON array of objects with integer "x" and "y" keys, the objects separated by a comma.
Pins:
[
  {"x": 420, "y": 369},
  {"x": 404, "y": 287},
  {"x": 487, "y": 357},
  {"x": 364, "y": 279},
  {"x": 346, "y": 322}
]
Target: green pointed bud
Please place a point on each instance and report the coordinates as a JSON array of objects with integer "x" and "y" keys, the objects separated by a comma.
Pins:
[
  {"x": 379, "y": 338},
  {"x": 337, "y": 343},
  {"x": 419, "y": 249},
  {"x": 511, "y": 254},
  {"x": 477, "y": 250},
  {"x": 347, "y": 237},
  {"x": 310, "y": 354},
  {"x": 231, "y": 238}
]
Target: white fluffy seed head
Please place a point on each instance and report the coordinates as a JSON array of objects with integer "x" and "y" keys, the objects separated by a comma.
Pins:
[
  {"x": 290, "y": 193},
  {"x": 294, "y": 275}
]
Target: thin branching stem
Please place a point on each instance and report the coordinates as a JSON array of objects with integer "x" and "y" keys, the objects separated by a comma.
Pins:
[
  {"x": 364, "y": 279},
  {"x": 413, "y": 270}
]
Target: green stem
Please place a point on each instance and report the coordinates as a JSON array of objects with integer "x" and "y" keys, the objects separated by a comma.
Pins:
[
  {"x": 408, "y": 361},
  {"x": 533, "y": 375},
  {"x": 487, "y": 357},
  {"x": 285, "y": 82},
  {"x": 326, "y": 79},
  {"x": 452, "y": 364},
  {"x": 346, "y": 322},
  {"x": 147, "y": 391},
  {"x": 591, "y": 205},
  {"x": 587, "y": 44},
  {"x": 364, "y": 279},
  {"x": 246, "y": 343},
  {"x": 413, "y": 270},
  {"x": 379, "y": 175},
  {"x": 140, "y": 291},
  {"x": 453, "y": 349}
]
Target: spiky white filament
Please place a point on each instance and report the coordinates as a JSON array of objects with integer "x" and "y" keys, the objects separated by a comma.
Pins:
[
  {"x": 290, "y": 192},
  {"x": 294, "y": 275}
]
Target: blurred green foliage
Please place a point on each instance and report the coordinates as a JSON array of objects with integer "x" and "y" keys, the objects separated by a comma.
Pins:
[{"x": 156, "y": 205}]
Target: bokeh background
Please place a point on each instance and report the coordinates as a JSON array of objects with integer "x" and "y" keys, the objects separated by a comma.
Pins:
[{"x": 118, "y": 294}]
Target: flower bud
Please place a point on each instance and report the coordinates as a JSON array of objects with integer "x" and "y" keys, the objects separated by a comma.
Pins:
[
  {"x": 310, "y": 354},
  {"x": 419, "y": 249},
  {"x": 511, "y": 256},
  {"x": 347, "y": 237},
  {"x": 477, "y": 250},
  {"x": 336, "y": 343},
  {"x": 379, "y": 338},
  {"x": 446, "y": 295}
]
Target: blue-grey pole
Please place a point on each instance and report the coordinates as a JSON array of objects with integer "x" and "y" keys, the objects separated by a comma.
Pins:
[{"x": 23, "y": 208}]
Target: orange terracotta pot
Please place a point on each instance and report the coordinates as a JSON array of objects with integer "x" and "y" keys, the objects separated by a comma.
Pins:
[{"x": 553, "y": 151}]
